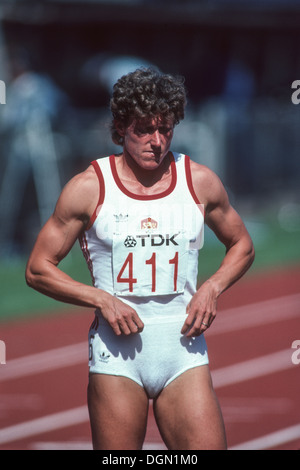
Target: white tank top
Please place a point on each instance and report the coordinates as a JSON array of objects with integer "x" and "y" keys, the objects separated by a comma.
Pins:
[{"x": 144, "y": 249}]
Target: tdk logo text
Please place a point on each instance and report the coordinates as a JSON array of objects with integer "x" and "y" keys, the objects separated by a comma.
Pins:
[
  {"x": 153, "y": 240},
  {"x": 2, "y": 92}
]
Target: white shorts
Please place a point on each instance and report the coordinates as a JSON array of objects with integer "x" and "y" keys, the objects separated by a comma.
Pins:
[{"x": 152, "y": 358}]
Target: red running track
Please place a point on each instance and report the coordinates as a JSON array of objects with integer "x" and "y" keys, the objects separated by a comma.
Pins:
[{"x": 255, "y": 369}]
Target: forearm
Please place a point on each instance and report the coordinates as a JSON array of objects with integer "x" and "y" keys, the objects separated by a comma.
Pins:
[
  {"x": 238, "y": 259},
  {"x": 51, "y": 281}
]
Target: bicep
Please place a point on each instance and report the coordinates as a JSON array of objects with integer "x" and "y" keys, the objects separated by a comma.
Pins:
[
  {"x": 69, "y": 219},
  {"x": 56, "y": 239},
  {"x": 221, "y": 217},
  {"x": 226, "y": 223}
]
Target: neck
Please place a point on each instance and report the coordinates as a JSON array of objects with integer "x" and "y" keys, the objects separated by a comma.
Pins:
[{"x": 130, "y": 170}]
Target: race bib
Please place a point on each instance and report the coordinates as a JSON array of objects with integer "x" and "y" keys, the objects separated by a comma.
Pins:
[{"x": 150, "y": 263}]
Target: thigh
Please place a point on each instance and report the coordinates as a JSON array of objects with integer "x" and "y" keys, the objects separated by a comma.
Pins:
[
  {"x": 118, "y": 409},
  {"x": 188, "y": 413}
]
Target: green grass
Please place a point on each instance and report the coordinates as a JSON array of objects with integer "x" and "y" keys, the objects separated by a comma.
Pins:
[
  {"x": 274, "y": 247},
  {"x": 17, "y": 299}
]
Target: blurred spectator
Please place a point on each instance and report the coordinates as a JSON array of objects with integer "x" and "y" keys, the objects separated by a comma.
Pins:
[
  {"x": 32, "y": 103},
  {"x": 238, "y": 95},
  {"x": 105, "y": 69}
]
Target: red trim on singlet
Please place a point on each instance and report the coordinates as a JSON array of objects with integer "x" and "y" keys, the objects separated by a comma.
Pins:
[
  {"x": 86, "y": 253},
  {"x": 138, "y": 196},
  {"x": 190, "y": 183},
  {"x": 101, "y": 192}
]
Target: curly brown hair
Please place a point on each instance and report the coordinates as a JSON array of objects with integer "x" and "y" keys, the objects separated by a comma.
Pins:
[{"x": 146, "y": 93}]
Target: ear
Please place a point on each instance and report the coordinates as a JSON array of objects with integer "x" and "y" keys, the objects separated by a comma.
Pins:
[{"x": 120, "y": 127}]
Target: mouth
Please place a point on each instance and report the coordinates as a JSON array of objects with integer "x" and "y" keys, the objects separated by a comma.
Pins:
[{"x": 155, "y": 154}]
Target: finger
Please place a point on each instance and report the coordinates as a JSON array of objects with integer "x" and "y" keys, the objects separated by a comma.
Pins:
[
  {"x": 134, "y": 322},
  {"x": 115, "y": 327},
  {"x": 127, "y": 318},
  {"x": 200, "y": 325},
  {"x": 204, "y": 325},
  {"x": 135, "y": 326},
  {"x": 125, "y": 328},
  {"x": 187, "y": 324},
  {"x": 126, "y": 325},
  {"x": 195, "y": 330},
  {"x": 206, "y": 322},
  {"x": 188, "y": 321},
  {"x": 138, "y": 322}
]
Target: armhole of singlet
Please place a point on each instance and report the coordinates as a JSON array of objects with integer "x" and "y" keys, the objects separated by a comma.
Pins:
[
  {"x": 101, "y": 192},
  {"x": 189, "y": 180}
]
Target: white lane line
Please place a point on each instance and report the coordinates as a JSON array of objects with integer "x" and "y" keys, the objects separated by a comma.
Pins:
[
  {"x": 256, "y": 314},
  {"x": 229, "y": 320},
  {"x": 269, "y": 441},
  {"x": 44, "y": 361},
  {"x": 252, "y": 368},
  {"x": 74, "y": 354},
  {"x": 48, "y": 423},
  {"x": 85, "y": 445},
  {"x": 62, "y": 445},
  {"x": 221, "y": 377},
  {"x": 80, "y": 415}
]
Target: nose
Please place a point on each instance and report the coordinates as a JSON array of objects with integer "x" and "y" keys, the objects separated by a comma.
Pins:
[{"x": 156, "y": 138}]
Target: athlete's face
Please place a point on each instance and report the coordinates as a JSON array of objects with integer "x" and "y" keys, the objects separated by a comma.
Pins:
[{"x": 148, "y": 141}]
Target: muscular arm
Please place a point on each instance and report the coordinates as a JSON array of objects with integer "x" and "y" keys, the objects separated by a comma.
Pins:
[
  {"x": 228, "y": 226},
  {"x": 70, "y": 218}
]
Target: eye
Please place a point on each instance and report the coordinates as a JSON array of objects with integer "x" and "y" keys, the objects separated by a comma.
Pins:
[
  {"x": 164, "y": 130},
  {"x": 142, "y": 130}
]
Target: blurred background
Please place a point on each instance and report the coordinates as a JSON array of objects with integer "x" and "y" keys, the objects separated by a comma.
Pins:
[{"x": 59, "y": 60}]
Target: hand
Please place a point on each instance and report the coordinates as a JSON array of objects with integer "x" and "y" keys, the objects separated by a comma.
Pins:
[
  {"x": 121, "y": 317},
  {"x": 201, "y": 311}
]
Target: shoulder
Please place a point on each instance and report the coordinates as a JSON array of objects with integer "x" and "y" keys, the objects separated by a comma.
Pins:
[
  {"x": 79, "y": 196},
  {"x": 207, "y": 185},
  {"x": 83, "y": 180},
  {"x": 201, "y": 172}
]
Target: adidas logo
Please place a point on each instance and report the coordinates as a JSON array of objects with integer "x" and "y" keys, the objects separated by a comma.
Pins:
[{"x": 104, "y": 357}]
